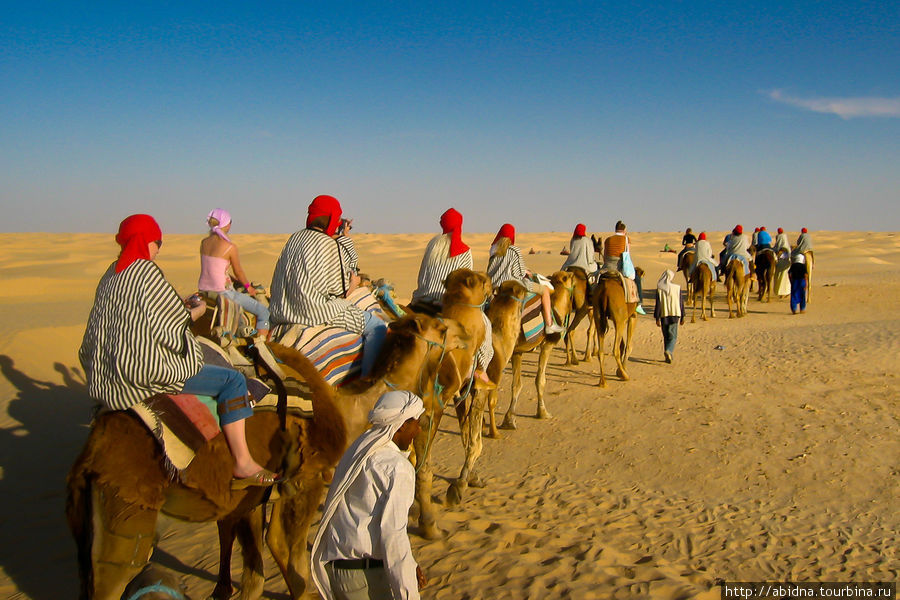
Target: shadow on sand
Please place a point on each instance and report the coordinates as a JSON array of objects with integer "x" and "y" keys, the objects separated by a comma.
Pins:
[{"x": 38, "y": 554}]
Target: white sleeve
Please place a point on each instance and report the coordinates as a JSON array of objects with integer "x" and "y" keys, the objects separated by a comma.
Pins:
[{"x": 398, "y": 559}]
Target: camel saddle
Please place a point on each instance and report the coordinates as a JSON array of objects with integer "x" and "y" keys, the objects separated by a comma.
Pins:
[{"x": 630, "y": 287}]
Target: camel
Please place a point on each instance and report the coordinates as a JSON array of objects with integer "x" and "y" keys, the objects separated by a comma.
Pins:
[
  {"x": 561, "y": 304},
  {"x": 737, "y": 287},
  {"x": 609, "y": 303},
  {"x": 810, "y": 259},
  {"x": 685, "y": 265},
  {"x": 505, "y": 315},
  {"x": 119, "y": 484},
  {"x": 703, "y": 282},
  {"x": 412, "y": 354},
  {"x": 765, "y": 272},
  {"x": 467, "y": 291},
  {"x": 581, "y": 308}
]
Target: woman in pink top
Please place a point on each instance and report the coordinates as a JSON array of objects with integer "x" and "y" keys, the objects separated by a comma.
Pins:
[{"x": 217, "y": 254}]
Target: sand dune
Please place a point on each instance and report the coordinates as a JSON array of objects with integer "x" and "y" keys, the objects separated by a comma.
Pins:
[{"x": 774, "y": 458}]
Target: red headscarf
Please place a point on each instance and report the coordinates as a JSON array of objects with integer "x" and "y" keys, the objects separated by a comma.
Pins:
[
  {"x": 135, "y": 233},
  {"x": 755, "y": 230},
  {"x": 738, "y": 230},
  {"x": 506, "y": 231},
  {"x": 451, "y": 222},
  {"x": 763, "y": 228},
  {"x": 804, "y": 230},
  {"x": 580, "y": 230},
  {"x": 780, "y": 230},
  {"x": 325, "y": 206},
  {"x": 702, "y": 235}
]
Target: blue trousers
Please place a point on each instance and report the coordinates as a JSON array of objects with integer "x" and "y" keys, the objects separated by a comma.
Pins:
[
  {"x": 373, "y": 337},
  {"x": 670, "y": 335},
  {"x": 227, "y": 386},
  {"x": 251, "y": 305},
  {"x": 798, "y": 295}
]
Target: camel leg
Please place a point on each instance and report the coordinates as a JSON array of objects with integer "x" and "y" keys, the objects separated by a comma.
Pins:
[
  {"x": 122, "y": 542},
  {"x": 224, "y": 589},
  {"x": 493, "y": 399},
  {"x": 571, "y": 358},
  {"x": 509, "y": 421},
  {"x": 289, "y": 526},
  {"x": 602, "y": 382},
  {"x": 712, "y": 304},
  {"x": 249, "y": 534},
  {"x": 590, "y": 337},
  {"x": 424, "y": 481},
  {"x": 694, "y": 308},
  {"x": 619, "y": 351},
  {"x": 473, "y": 446},
  {"x": 540, "y": 380}
]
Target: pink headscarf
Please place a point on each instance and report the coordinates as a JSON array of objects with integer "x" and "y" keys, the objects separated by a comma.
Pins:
[
  {"x": 135, "y": 233},
  {"x": 223, "y": 217},
  {"x": 451, "y": 222}
]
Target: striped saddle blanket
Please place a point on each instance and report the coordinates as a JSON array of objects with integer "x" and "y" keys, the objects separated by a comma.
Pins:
[
  {"x": 532, "y": 317},
  {"x": 335, "y": 352}
]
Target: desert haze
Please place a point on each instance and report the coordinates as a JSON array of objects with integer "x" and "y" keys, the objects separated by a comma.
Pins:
[{"x": 767, "y": 451}]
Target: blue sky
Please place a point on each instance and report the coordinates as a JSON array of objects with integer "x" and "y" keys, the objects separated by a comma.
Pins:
[{"x": 665, "y": 115}]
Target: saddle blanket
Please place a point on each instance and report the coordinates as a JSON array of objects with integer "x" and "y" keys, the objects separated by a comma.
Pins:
[
  {"x": 743, "y": 259},
  {"x": 181, "y": 423},
  {"x": 335, "y": 352},
  {"x": 630, "y": 287},
  {"x": 710, "y": 265},
  {"x": 532, "y": 317}
]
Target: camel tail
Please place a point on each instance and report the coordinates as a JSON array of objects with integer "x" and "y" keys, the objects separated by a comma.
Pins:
[
  {"x": 78, "y": 515},
  {"x": 602, "y": 312},
  {"x": 329, "y": 433}
]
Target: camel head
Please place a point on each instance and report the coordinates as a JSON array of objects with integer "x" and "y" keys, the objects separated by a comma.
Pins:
[
  {"x": 598, "y": 243},
  {"x": 511, "y": 289},
  {"x": 434, "y": 330},
  {"x": 563, "y": 279},
  {"x": 467, "y": 286}
]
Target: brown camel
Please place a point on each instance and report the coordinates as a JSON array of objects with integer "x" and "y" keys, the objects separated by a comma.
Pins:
[
  {"x": 119, "y": 483},
  {"x": 685, "y": 265},
  {"x": 466, "y": 293},
  {"x": 810, "y": 259},
  {"x": 561, "y": 305},
  {"x": 505, "y": 315},
  {"x": 737, "y": 287},
  {"x": 609, "y": 303},
  {"x": 581, "y": 308},
  {"x": 765, "y": 262},
  {"x": 703, "y": 283}
]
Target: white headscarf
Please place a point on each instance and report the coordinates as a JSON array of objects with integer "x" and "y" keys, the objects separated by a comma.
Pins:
[
  {"x": 391, "y": 411},
  {"x": 669, "y": 294}
]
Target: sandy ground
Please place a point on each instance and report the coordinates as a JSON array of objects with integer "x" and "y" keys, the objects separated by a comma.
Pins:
[{"x": 775, "y": 458}]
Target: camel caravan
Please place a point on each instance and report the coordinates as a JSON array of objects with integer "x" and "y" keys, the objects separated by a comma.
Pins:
[{"x": 163, "y": 443}]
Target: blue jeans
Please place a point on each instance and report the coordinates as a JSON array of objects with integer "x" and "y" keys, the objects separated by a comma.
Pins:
[
  {"x": 251, "y": 305},
  {"x": 798, "y": 295},
  {"x": 670, "y": 335},
  {"x": 227, "y": 386},
  {"x": 373, "y": 337}
]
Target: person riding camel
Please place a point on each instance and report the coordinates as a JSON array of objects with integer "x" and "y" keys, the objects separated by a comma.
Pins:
[
  {"x": 613, "y": 249},
  {"x": 688, "y": 242},
  {"x": 444, "y": 254},
  {"x": 781, "y": 242},
  {"x": 704, "y": 254},
  {"x": 313, "y": 278},
  {"x": 804, "y": 243},
  {"x": 581, "y": 252},
  {"x": 739, "y": 248},
  {"x": 506, "y": 263},
  {"x": 217, "y": 254},
  {"x": 754, "y": 238},
  {"x": 763, "y": 240},
  {"x": 138, "y": 344}
]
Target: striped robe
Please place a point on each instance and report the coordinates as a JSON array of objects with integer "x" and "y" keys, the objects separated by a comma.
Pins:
[
  {"x": 309, "y": 283},
  {"x": 506, "y": 267},
  {"x": 137, "y": 343},
  {"x": 432, "y": 274},
  {"x": 346, "y": 242}
]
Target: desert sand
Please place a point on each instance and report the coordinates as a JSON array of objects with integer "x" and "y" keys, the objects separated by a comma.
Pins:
[{"x": 774, "y": 458}]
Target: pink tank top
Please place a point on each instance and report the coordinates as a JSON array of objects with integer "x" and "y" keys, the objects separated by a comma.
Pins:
[{"x": 212, "y": 273}]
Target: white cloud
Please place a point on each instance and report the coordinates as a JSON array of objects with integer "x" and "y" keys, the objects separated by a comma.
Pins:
[{"x": 846, "y": 108}]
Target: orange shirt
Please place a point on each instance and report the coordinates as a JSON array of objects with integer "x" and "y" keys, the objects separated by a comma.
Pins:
[{"x": 614, "y": 246}]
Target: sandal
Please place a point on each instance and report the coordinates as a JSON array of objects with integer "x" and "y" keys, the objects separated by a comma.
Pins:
[{"x": 262, "y": 478}]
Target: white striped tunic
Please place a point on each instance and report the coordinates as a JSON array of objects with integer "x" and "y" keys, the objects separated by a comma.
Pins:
[
  {"x": 508, "y": 266},
  {"x": 309, "y": 283},
  {"x": 434, "y": 270},
  {"x": 346, "y": 242},
  {"x": 137, "y": 343}
]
